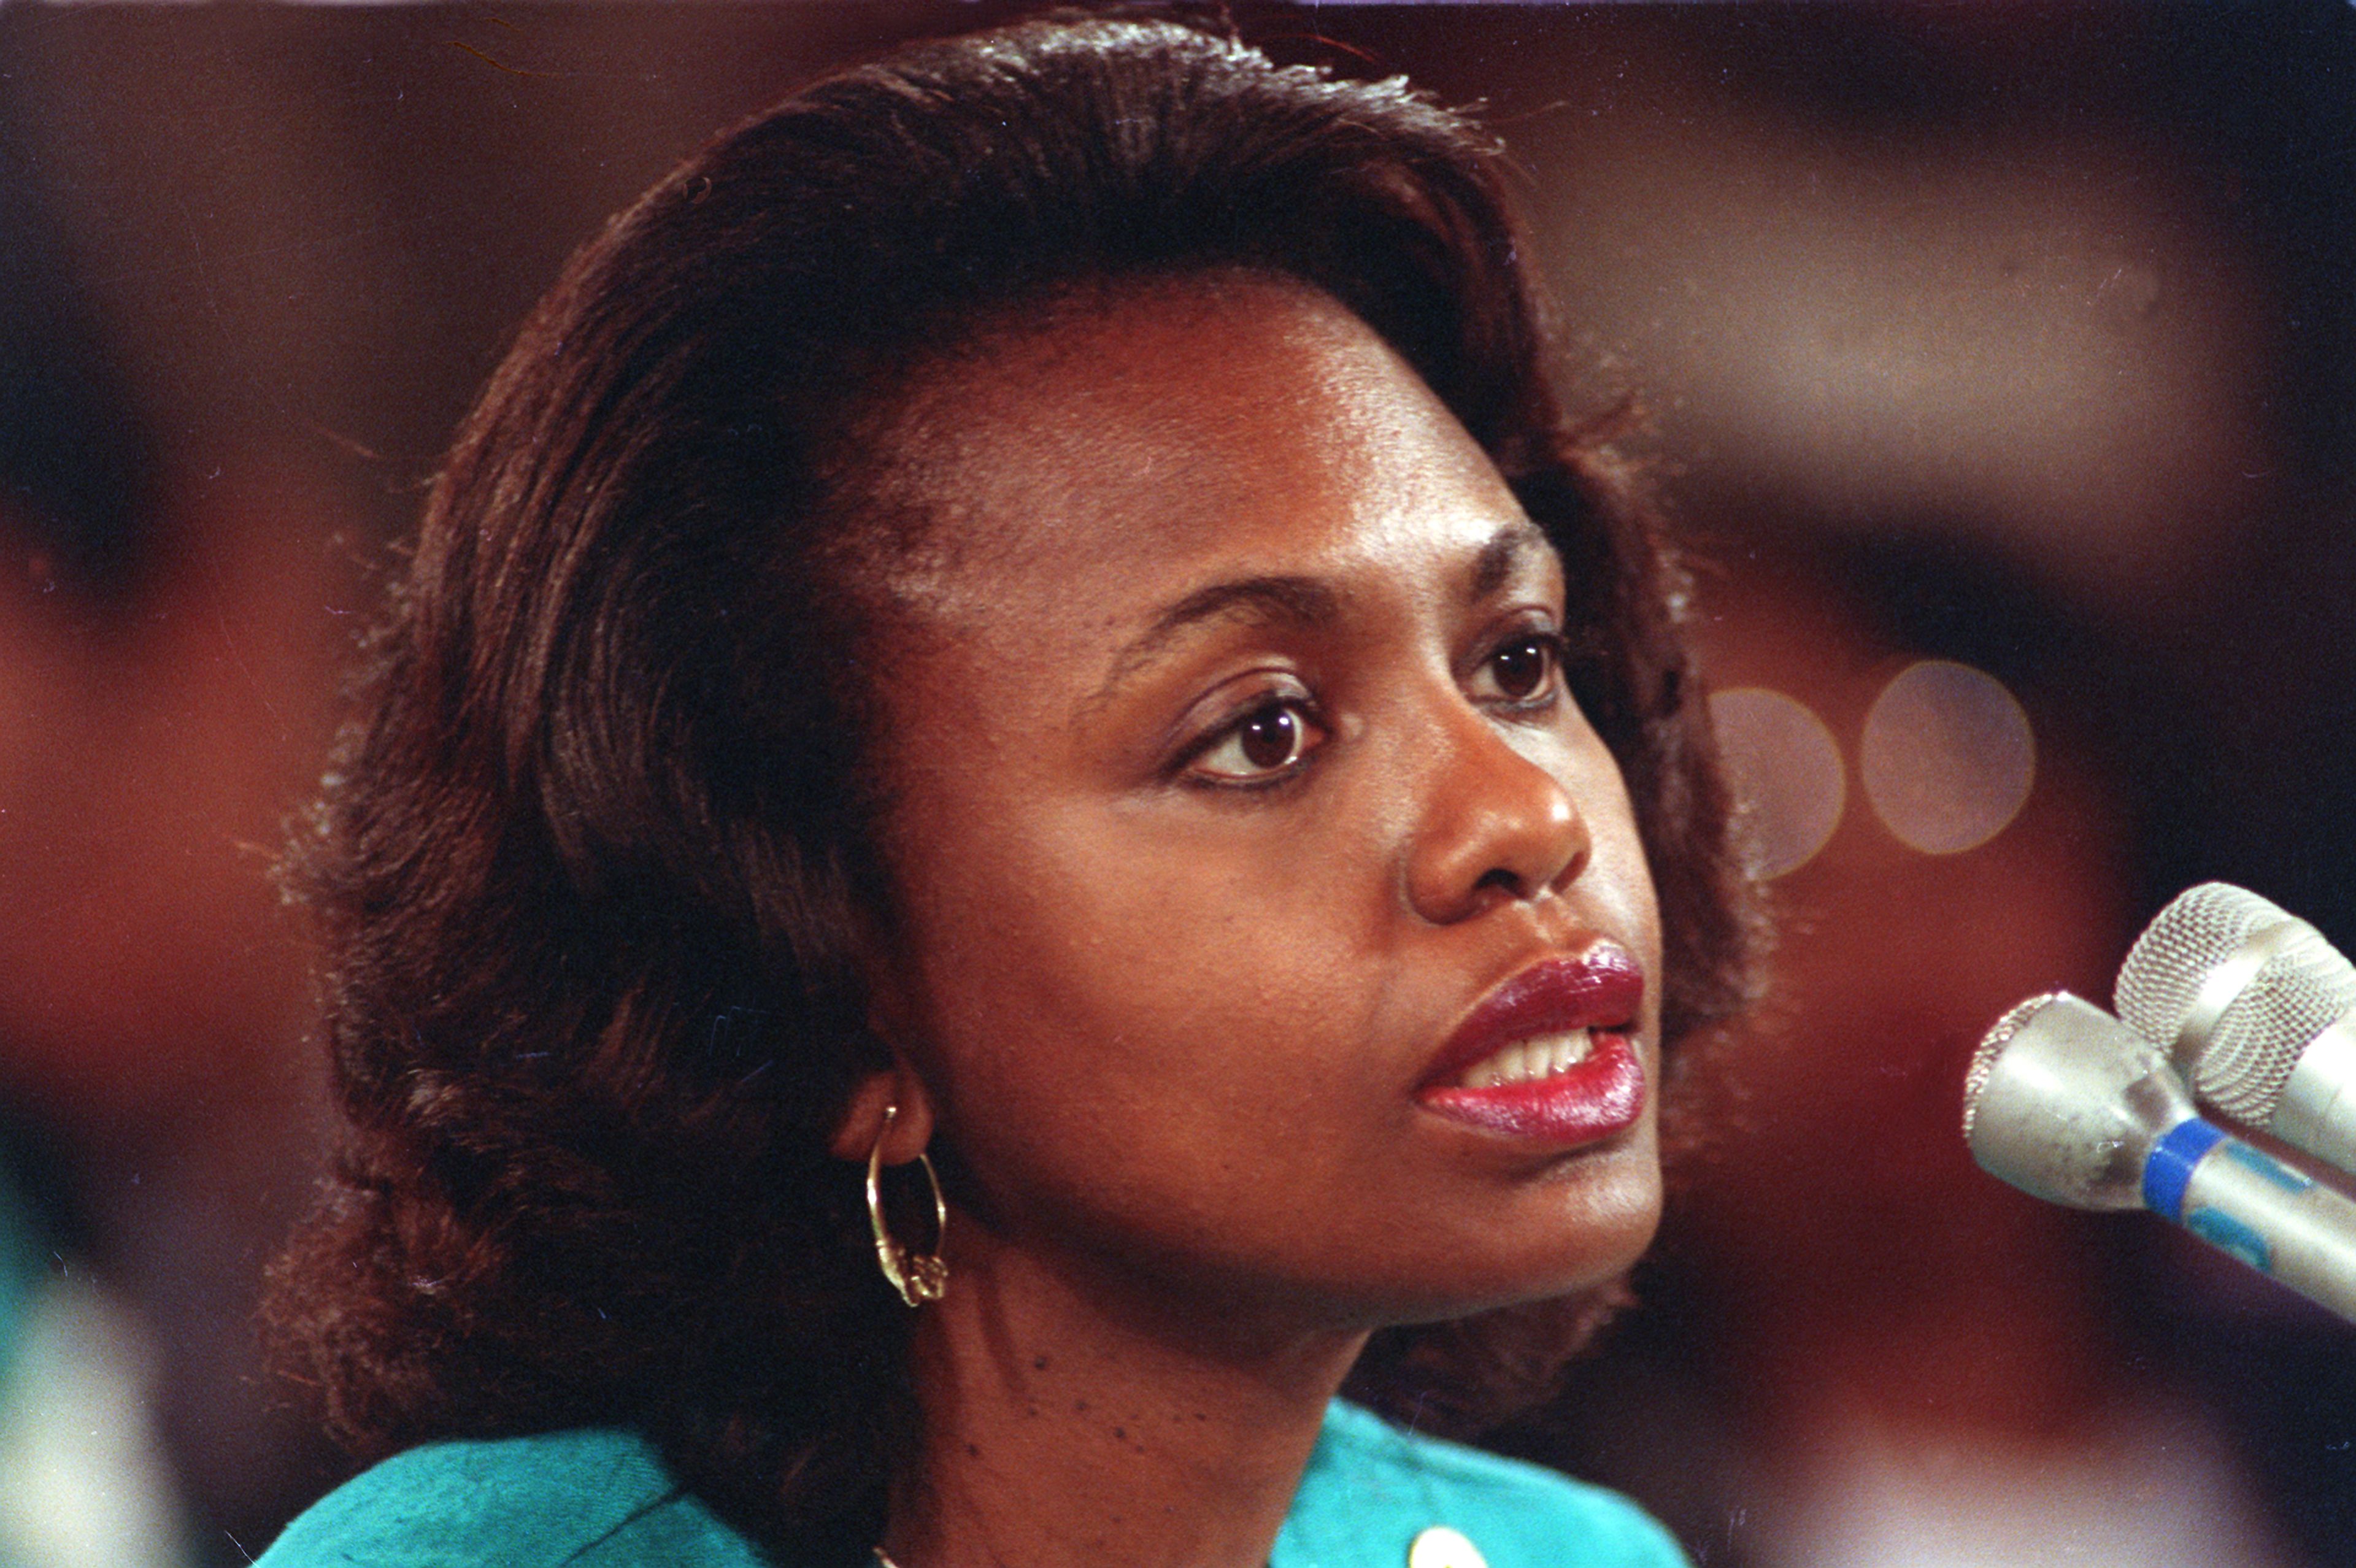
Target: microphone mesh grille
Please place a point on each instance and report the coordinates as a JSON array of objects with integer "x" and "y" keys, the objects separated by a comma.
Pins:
[
  {"x": 2164, "y": 970},
  {"x": 1991, "y": 1046},
  {"x": 2300, "y": 989}
]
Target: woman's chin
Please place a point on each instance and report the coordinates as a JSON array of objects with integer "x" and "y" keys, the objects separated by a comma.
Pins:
[{"x": 1570, "y": 1237}]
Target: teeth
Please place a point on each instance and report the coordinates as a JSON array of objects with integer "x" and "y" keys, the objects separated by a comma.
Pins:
[{"x": 1526, "y": 1061}]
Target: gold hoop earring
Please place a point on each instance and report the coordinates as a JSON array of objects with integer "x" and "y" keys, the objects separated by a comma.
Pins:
[{"x": 918, "y": 1277}]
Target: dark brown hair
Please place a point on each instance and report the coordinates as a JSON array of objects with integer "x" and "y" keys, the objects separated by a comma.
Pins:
[{"x": 589, "y": 865}]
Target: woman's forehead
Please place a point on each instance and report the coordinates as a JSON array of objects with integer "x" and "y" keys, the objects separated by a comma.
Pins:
[{"x": 1187, "y": 425}]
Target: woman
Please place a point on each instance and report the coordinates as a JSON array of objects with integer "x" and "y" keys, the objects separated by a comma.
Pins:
[{"x": 1026, "y": 626}]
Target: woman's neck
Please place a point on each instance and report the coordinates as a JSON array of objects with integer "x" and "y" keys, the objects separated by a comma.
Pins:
[{"x": 1059, "y": 1432}]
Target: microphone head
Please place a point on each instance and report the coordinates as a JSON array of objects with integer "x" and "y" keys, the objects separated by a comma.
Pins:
[
  {"x": 2065, "y": 1102},
  {"x": 2235, "y": 989}
]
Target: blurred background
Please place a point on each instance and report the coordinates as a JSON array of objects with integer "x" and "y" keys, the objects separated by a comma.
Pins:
[{"x": 1997, "y": 361}]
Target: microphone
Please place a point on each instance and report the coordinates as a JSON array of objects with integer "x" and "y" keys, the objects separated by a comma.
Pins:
[
  {"x": 2258, "y": 1010},
  {"x": 2070, "y": 1105}
]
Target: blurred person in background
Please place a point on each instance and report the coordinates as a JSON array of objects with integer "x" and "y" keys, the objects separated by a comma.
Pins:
[{"x": 163, "y": 670}]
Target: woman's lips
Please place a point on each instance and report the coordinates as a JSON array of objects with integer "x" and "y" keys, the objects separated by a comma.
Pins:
[
  {"x": 1547, "y": 1055},
  {"x": 1602, "y": 1095}
]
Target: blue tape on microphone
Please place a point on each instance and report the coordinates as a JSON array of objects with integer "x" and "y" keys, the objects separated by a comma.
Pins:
[{"x": 2168, "y": 1170}]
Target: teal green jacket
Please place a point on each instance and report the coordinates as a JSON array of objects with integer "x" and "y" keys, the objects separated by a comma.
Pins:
[{"x": 600, "y": 1499}]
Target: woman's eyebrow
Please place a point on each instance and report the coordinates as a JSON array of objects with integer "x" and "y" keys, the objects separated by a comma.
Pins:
[
  {"x": 1504, "y": 552},
  {"x": 1292, "y": 600},
  {"x": 1302, "y": 600}
]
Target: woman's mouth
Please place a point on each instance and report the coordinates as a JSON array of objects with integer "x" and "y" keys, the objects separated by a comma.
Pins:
[
  {"x": 1526, "y": 1060},
  {"x": 1546, "y": 1056}
]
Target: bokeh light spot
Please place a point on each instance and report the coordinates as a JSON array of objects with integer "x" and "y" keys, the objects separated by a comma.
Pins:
[
  {"x": 1947, "y": 757},
  {"x": 1785, "y": 770}
]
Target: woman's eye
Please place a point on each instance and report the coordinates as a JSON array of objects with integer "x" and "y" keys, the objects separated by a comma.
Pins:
[
  {"x": 1264, "y": 743},
  {"x": 1523, "y": 668}
]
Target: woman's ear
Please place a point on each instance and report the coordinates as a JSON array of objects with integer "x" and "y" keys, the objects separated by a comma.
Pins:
[{"x": 894, "y": 1089}]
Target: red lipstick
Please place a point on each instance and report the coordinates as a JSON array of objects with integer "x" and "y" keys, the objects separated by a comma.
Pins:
[{"x": 1601, "y": 991}]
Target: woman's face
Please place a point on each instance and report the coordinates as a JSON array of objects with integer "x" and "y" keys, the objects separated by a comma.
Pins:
[{"x": 1244, "y": 834}]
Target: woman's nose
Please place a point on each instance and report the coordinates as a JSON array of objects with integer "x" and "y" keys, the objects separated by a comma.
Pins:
[{"x": 1496, "y": 827}]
